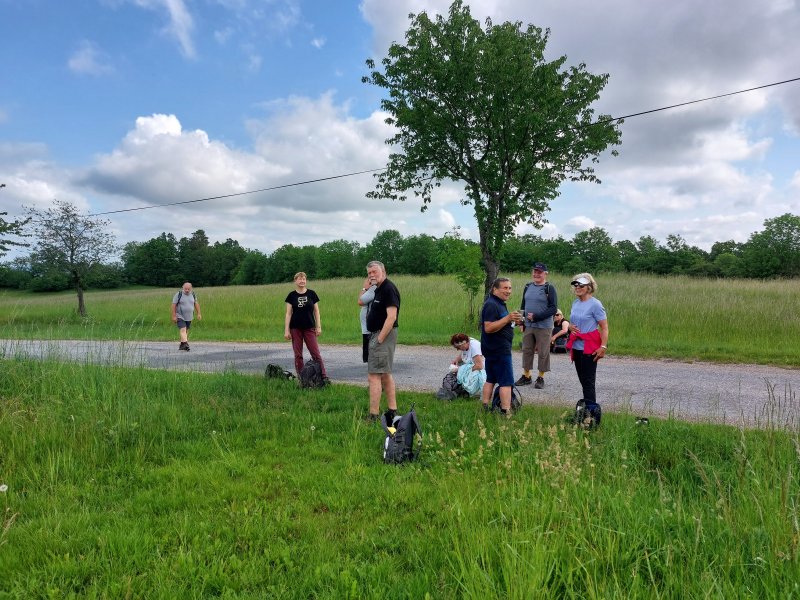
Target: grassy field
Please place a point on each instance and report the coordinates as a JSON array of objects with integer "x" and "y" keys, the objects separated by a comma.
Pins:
[
  {"x": 674, "y": 317},
  {"x": 143, "y": 484}
]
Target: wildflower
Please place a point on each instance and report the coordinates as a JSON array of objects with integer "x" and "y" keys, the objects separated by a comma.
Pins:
[
  {"x": 3, "y": 488},
  {"x": 313, "y": 429}
]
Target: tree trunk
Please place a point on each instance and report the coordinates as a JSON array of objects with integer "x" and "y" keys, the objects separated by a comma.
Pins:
[
  {"x": 491, "y": 268},
  {"x": 81, "y": 305}
]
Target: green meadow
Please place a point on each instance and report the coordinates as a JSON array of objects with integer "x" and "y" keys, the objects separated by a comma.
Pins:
[
  {"x": 136, "y": 483},
  {"x": 682, "y": 318},
  {"x": 145, "y": 484}
]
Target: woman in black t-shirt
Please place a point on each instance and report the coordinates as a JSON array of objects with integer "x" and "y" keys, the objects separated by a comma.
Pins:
[{"x": 303, "y": 324}]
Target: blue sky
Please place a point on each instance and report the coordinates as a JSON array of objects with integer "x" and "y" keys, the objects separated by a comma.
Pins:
[{"x": 113, "y": 104}]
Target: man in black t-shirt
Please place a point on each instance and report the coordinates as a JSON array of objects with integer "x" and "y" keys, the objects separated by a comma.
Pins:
[{"x": 382, "y": 322}]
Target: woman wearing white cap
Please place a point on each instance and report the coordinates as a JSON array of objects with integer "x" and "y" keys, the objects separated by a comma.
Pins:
[{"x": 588, "y": 342}]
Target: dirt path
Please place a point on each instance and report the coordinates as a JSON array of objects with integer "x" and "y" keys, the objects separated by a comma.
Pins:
[{"x": 737, "y": 394}]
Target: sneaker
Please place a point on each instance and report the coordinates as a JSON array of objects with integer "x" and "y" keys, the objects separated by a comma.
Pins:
[
  {"x": 186, "y": 346},
  {"x": 325, "y": 381},
  {"x": 487, "y": 408},
  {"x": 370, "y": 418},
  {"x": 524, "y": 380},
  {"x": 539, "y": 383},
  {"x": 182, "y": 346}
]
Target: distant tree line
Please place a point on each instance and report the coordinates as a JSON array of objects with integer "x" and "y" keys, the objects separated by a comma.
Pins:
[{"x": 166, "y": 261}]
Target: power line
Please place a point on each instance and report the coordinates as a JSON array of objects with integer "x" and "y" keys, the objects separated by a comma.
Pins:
[
  {"x": 654, "y": 110},
  {"x": 299, "y": 183},
  {"x": 269, "y": 189}
]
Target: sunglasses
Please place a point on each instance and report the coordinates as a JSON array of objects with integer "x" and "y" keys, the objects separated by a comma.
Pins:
[{"x": 579, "y": 285}]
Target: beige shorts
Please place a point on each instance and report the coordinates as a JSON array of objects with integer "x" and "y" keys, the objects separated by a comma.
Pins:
[{"x": 381, "y": 356}]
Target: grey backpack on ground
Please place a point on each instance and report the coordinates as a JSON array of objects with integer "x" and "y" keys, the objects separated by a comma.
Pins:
[
  {"x": 516, "y": 399},
  {"x": 451, "y": 389},
  {"x": 311, "y": 375},
  {"x": 277, "y": 372},
  {"x": 398, "y": 447}
]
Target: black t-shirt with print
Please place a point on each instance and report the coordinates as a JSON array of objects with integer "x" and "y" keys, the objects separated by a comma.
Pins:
[{"x": 302, "y": 309}]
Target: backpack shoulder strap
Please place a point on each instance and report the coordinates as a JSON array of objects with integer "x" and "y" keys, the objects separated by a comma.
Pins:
[{"x": 525, "y": 289}]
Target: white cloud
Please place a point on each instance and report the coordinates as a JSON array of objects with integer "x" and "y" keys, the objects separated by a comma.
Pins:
[
  {"x": 580, "y": 223},
  {"x": 318, "y": 42},
  {"x": 181, "y": 23},
  {"x": 223, "y": 35},
  {"x": 88, "y": 59}
]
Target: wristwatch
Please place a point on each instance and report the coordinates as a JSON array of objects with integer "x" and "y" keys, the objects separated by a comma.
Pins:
[{"x": 604, "y": 347}]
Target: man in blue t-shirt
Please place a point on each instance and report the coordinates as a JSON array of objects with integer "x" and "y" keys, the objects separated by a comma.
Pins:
[{"x": 497, "y": 335}]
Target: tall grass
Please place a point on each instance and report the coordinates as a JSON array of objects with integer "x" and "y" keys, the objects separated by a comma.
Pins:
[
  {"x": 674, "y": 317},
  {"x": 136, "y": 483}
]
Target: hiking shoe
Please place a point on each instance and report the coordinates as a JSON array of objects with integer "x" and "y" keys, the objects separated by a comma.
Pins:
[
  {"x": 487, "y": 408},
  {"x": 539, "y": 383},
  {"x": 525, "y": 380},
  {"x": 325, "y": 381},
  {"x": 183, "y": 346},
  {"x": 370, "y": 418},
  {"x": 186, "y": 346}
]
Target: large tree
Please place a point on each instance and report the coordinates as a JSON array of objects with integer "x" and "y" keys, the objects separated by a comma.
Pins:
[
  {"x": 71, "y": 243},
  {"x": 483, "y": 106},
  {"x": 154, "y": 262}
]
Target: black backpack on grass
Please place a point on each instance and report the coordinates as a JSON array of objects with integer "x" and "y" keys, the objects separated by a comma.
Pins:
[
  {"x": 277, "y": 372},
  {"x": 311, "y": 375},
  {"x": 516, "y": 399},
  {"x": 398, "y": 448},
  {"x": 451, "y": 389}
]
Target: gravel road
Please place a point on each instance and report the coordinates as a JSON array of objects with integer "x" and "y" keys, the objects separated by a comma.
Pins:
[{"x": 748, "y": 395}]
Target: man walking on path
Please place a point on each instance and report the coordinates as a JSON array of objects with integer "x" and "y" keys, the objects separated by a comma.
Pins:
[
  {"x": 184, "y": 305},
  {"x": 539, "y": 304},
  {"x": 382, "y": 323},
  {"x": 497, "y": 335}
]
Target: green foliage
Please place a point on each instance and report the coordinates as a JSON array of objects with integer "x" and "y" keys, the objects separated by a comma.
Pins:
[
  {"x": 776, "y": 250},
  {"x": 462, "y": 259},
  {"x": 154, "y": 262},
  {"x": 145, "y": 484},
  {"x": 13, "y": 228},
  {"x": 70, "y": 244},
  {"x": 481, "y": 105}
]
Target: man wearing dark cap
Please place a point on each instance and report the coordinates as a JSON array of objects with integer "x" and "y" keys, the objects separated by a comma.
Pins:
[{"x": 539, "y": 304}]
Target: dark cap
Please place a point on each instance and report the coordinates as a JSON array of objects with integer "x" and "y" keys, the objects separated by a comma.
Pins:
[{"x": 539, "y": 267}]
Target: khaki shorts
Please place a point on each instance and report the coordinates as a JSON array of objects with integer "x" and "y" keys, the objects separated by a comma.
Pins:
[{"x": 381, "y": 356}]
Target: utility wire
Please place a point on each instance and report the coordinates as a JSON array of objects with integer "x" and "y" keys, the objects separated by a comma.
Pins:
[
  {"x": 269, "y": 189},
  {"x": 654, "y": 110},
  {"x": 299, "y": 183}
]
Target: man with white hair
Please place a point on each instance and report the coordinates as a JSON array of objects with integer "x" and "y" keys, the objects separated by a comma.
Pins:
[
  {"x": 184, "y": 305},
  {"x": 539, "y": 304},
  {"x": 382, "y": 323}
]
